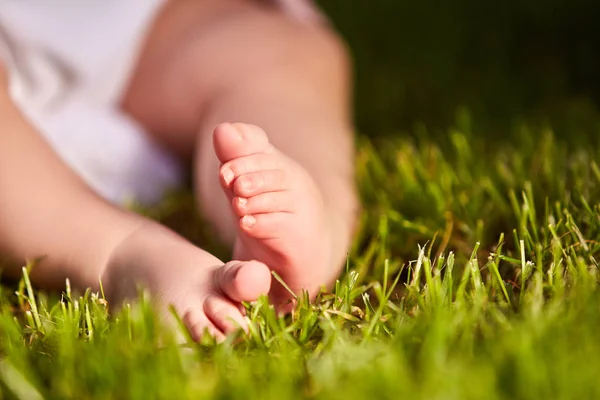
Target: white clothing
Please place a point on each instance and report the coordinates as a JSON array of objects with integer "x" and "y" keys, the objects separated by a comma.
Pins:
[{"x": 69, "y": 62}]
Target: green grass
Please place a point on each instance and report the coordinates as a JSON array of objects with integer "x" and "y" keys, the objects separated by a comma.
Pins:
[
  {"x": 420, "y": 60},
  {"x": 474, "y": 276}
]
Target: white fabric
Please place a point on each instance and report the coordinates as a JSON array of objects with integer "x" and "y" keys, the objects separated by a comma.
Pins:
[{"x": 69, "y": 61}]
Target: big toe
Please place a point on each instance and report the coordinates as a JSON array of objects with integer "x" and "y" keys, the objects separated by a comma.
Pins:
[
  {"x": 243, "y": 280},
  {"x": 238, "y": 140}
]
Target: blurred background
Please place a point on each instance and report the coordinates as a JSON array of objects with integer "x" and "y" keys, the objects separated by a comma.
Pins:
[{"x": 505, "y": 62}]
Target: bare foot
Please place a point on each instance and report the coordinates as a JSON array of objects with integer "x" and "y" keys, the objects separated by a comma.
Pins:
[
  {"x": 203, "y": 291},
  {"x": 282, "y": 219}
]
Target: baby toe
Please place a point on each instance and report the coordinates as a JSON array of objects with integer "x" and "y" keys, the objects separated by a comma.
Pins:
[
  {"x": 237, "y": 140},
  {"x": 256, "y": 183},
  {"x": 198, "y": 325},
  {"x": 248, "y": 164},
  {"x": 266, "y": 226},
  {"x": 243, "y": 280},
  {"x": 224, "y": 314},
  {"x": 264, "y": 203}
]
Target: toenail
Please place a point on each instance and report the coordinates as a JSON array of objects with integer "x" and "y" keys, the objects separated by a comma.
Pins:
[
  {"x": 242, "y": 201},
  {"x": 238, "y": 130},
  {"x": 248, "y": 221},
  {"x": 228, "y": 176}
]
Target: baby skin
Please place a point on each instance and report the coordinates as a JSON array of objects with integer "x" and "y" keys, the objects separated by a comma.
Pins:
[
  {"x": 282, "y": 227},
  {"x": 282, "y": 215},
  {"x": 258, "y": 103}
]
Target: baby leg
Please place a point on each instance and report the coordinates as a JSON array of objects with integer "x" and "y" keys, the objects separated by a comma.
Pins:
[
  {"x": 48, "y": 213},
  {"x": 288, "y": 196}
]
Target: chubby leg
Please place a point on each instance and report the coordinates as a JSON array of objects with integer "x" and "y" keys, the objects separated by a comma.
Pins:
[
  {"x": 48, "y": 213},
  {"x": 286, "y": 164}
]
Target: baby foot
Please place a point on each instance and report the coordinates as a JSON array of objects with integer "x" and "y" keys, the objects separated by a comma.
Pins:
[
  {"x": 216, "y": 308},
  {"x": 282, "y": 220},
  {"x": 206, "y": 294}
]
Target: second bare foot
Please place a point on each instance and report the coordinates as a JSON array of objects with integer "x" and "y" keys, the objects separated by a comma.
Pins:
[
  {"x": 206, "y": 293},
  {"x": 282, "y": 217}
]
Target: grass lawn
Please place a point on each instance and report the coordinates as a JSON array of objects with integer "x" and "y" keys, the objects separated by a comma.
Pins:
[{"x": 474, "y": 276}]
